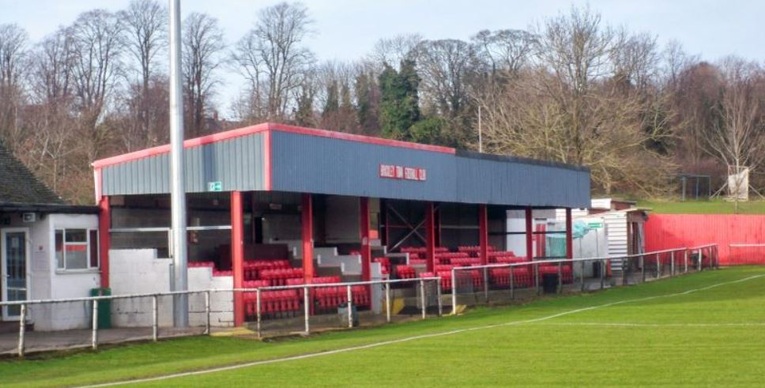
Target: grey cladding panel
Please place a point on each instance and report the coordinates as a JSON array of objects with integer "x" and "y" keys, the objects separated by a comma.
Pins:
[
  {"x": 517, "y": 183},
  {"x": 325, "y": 165},
  {"x": 237, "y": 163}
]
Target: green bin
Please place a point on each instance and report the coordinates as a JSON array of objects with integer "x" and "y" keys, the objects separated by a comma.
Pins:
[{"x": 104, "y": 307}]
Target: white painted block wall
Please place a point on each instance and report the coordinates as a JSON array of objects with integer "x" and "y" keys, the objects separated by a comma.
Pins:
[{"x": 139, "y": 271}]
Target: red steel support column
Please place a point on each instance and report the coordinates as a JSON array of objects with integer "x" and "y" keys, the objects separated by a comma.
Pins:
[
  {"x": 569, "y": 235},
  {"x": 529, "y": 234},
  {"x": 237, "y": 254},
  {"x": 430, "y": 236},
  {"x": 104, "y": 238},
  {"x": 366, "y": 248},
  {"x": 483, "y": 233},
  {"x": 307, "y": 222}
]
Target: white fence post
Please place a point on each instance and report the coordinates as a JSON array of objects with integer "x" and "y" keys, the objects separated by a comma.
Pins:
[
  {"x": 94, "y": 334},
  {"x": 422, "y": 297},
  {"x": 486, "y": 284},
  {"x": 259, "y": 318},
  {"x": 671, "y": 263},
  {"x": 454, "y": 291},
  {"x": 350, "y": 306},
  {"x": 208, "y": 329},
  {"x": 22, "y": 329},
  {"x": 438, "y": 293},
  {"x": 307, "y": 310},
  {"x": 154, "y": 319},
  {"x": 387, "y": 301}
]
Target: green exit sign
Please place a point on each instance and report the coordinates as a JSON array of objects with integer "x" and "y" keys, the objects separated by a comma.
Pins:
[{"x": 215, "y": 186}]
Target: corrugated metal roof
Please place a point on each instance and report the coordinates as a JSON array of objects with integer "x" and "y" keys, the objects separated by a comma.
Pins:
[{"x": 292, "y": 159}]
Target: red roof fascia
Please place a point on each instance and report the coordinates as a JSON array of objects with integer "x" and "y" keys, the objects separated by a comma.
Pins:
[{"x": 268, "y": 127}]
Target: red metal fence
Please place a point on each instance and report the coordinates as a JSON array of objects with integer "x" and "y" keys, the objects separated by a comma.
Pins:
[{"x": 740, "y": 238}]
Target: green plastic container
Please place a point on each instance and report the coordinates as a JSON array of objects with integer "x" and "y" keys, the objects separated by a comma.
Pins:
[{"x": 104, "y": 307}]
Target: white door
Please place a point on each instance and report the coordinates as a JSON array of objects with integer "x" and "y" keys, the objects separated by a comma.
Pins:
[{"x": 15, "y": 257}]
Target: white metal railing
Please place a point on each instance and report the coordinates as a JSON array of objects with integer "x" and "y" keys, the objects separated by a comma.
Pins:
[
  {"x": 307, "y": 288},
  {"x": 680, "y": 260},
  {"x": 93, "y": 302},
  {"x": 685, "y": 253}
]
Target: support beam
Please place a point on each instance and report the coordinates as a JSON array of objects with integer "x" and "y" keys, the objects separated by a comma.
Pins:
[
  {"x": 483, "y": 233},
  {"x": 307, "y": 236},
  {"x": 529, "y": 234},
  {"x": 366, "y": 247},
  {"x": 430, "y": 236},
  {"x": 104, "y": 238},
  {"x": 237, "y": 254},
  {"x": 569, "y": 235}
]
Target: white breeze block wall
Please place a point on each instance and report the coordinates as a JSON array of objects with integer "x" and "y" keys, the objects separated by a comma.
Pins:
[
  {"x": 221, "y": 302},
  {"x": 139, "y": 271}
]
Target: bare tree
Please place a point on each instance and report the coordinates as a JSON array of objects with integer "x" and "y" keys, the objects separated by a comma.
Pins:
[
  {"x": 202, "y": 47},
  {"x": 273, "y": 59},
  {"x": 738, "y": 138},
  {"x": 97, "y": 67},
  {"x": 54, "y": 149},
  {"x": 392, "y": 51},
  {"x": 505, "y": 51},
  {"x": 13, "y": 40},
  {"x": 145, "y": 38},
  {"x": 573, "y": 106}
]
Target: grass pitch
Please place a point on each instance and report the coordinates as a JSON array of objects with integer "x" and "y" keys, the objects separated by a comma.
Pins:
[{"x": 697, "y": 330}]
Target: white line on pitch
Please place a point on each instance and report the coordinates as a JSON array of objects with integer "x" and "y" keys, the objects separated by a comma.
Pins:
[
  {"x": 407, "y": 339},
  {"x": 635, "y": 324}
]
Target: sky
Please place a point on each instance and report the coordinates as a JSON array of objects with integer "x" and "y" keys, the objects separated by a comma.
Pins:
[{"x": 348, "y": 29}]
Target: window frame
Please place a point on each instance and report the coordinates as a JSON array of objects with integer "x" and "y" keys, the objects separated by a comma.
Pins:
[{"x": 89, "y": 247}]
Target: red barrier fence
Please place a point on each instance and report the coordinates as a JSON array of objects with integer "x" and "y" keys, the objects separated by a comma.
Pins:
[{"x": 740, "y": 238}]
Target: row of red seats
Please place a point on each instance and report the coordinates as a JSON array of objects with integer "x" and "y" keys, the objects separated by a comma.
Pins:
[
  {"x": 466, "y": 261},
  {"x": 473, "y": 248},
  {"x": 329, "y": 298},
  {"x": 272, "y": 303},
  {"x": 278, "y": 277},
  {"x": 502, "y": 253},
  {"x": 404, "y": 272},
  {"x": 567, "y": 275},
  {"x": 253, "y": 268},
  {"x": 508, "y": 260},
  {"x": 423, "y": 249},
  {"x": 500, "y": 277}
]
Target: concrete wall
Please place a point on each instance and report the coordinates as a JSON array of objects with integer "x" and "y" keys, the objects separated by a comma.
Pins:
[{"x": 140, "y": 271}]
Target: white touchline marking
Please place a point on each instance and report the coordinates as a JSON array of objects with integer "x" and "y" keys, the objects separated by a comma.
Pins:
[
  {"x": 407, "y": 339},
  {"x": 636, "y": 324}
]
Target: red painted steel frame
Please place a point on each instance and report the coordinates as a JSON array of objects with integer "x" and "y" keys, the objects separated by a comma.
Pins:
[
  {"x": 104, "y": 239},
  {"x": 483, "y": 230},
  {"x": 366, "y": 248},
  {"x": 529, "y": 234},
  {"x": 237, "y": 254},
  {"x": 307, "y": 226},
  {"x": 569, "y": 235},
  {"x": 430, "y": 236}
]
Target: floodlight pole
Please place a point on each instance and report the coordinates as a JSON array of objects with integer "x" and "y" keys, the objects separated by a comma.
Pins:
[{"x": 177, "y": 181}]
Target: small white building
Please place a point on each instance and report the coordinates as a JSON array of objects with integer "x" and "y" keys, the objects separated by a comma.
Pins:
[{"x": 48, "y": 250}]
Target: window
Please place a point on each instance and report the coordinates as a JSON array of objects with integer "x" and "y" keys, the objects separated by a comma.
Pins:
[{"x": 76, "y": 249}]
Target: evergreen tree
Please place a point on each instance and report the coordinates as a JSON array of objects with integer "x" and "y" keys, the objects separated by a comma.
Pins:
[
  {"x": 367, "y": 101},
  {"x": 399, "y": 105},
  {"x": 332, "y": 105}
]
